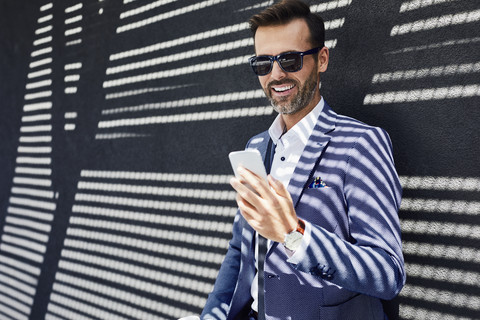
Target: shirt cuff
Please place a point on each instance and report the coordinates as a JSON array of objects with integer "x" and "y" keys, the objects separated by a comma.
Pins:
[{"x": 296, "y": 256}]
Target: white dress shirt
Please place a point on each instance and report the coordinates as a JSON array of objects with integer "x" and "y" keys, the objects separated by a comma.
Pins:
[{"x": 289, "y": 149}]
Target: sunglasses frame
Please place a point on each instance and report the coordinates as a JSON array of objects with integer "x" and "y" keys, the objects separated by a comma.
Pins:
[{"x": 279, "y": 56}]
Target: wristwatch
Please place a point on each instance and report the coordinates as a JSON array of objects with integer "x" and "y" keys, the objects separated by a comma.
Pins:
[{"x": 293, "y": 239}]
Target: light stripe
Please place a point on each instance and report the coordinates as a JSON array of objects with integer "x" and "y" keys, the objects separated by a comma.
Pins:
[
  {"x": 168, "y": 15},
  {"x": 40, "y": 128},
  {"x": 73, "y": 42},
  {"x": 214, "y": 65},
  {"x": 414, "y": 312},
  {"x": 73, "y": 31},
  {"x": 418, "y": 4},
  {"x": 35, "y": 171},
  {"x": 194, "y": 257},
  {"x": 41, "y": 62},
  {"x": 195, "y": 101},
  {"x": 168, "y": 220},
  {"x": 45, "y": 18},
  {"x": 46, "y": 7},
  {"x": 188, "y": 117},
  {"x": 69, "y": 126},
  {"x": 184, "y": 237},
  {"x": 135, "y": 283},
  {"x": 441, "y": 206},
  {"x": 439, "y": 71},
  {"x": 181, "y": 41},
  {"x": 116, "y": 293},
  {"x": 436, "y": 228},
  {"x": 36, "y": 95},
  {"x": 119, "y": 135},
  {"x": 436, "y": 22},
  {"x": 42, "y": 41},
  {"x": 45, "y": 216},
  {"x": 73, "y": 66},
  {"x": 11, "y": 312},
  {"x": 46, "y": 205},
  {"x": 63, "y": 312},
  {"x": 37, "y": 117},
  {"x": 30, "y": 245},
  {"x": 22, "y": 307},
  {"x": 444, "y": 297},
  {"x": 440, "y": 183},
  {"x": 33, "y": 181},
  {"x": 43, "y": 30},
  {"x": 38, "y": 84},
  {"x": 128, "y": 93},
  {"x": 105, "y": 303},
  {"x": 157, "y": 176},
  {"x": 73, "y": 8},
  {"x": 72, "y": 78},
  {"x": 33, "y": 192},
  {"x": 18, "y": 285},
  {"x": 26, "y": 233},
  {"x": 149, "y": 273},
  {"x": 13, "y": 273},
  {"x": 159, "y": 191},
  {"x": 96, "y": 313},
  {"x": 183, "y": 55},
  {"x": 40, "y": 52},
  {"x": 159, "y": 205},
  {"x": 37, "y": 106},
  {"x": 331, "y": 5},
  {"x": 442, "y": 251},
  {"x": 70, "y": 115},
  {"x": 33, "y": 160},
  {"x": 70, "y": 90},
  {"x": 158, "y": 247},
  {"x": 454, "y": 92},
  {"x": 21, "y": 253},
  {"x": 74, "y": 19},
  {"x": 145, "y": 8},
  {"x": 443, "y": 274},
  {"x": 39, "y": 73},
  {"x": 18, "y": 265}
]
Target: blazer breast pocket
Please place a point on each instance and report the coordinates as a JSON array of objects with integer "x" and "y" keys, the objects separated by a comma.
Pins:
[{"x": 325, "y": 207}]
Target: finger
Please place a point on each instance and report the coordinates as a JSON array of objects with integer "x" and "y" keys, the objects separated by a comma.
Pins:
[
  {"x": 256, "y": 182},
  {"x": 245, "y": 192},
  {"x": 278, "y": 187}
]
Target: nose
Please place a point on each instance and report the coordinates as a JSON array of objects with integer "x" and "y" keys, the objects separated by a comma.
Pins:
[{"x": 277, "y": 72}]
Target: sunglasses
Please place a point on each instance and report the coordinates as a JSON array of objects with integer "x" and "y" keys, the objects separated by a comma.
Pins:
[{"x": 288, "y": 61}]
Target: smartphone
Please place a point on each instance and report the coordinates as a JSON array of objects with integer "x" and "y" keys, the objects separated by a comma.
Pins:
[{"x": 250, "y": 159}]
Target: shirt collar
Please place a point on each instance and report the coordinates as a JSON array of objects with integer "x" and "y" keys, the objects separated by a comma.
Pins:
[{"x": 302, "y": 130}]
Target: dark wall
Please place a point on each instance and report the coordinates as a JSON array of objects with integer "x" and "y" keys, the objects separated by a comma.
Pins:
[{"x": 116, "y": 119}]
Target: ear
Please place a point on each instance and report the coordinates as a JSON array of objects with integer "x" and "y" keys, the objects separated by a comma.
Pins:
[{"x": 323, "y": 56}]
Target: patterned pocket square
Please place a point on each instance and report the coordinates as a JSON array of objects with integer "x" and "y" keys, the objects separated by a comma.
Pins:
[{"x": 317, "y": 183}]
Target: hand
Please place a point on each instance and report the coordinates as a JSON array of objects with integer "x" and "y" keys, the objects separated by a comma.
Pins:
[{"x": 269, "y": 208}]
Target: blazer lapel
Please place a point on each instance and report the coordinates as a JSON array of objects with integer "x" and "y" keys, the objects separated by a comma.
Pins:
[{"x": 311, "y": 155}]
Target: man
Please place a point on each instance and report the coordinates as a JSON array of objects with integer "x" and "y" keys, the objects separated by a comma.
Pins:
[{"x": 330, "y": 207}]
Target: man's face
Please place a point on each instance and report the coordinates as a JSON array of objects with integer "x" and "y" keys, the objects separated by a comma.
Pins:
[{"x": 289, "y": 92}]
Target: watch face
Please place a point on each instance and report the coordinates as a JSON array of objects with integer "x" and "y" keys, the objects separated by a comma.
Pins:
[{"x": 293, "y": 240}]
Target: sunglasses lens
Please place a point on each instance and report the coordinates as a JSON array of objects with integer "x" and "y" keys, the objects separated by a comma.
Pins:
[
  {"x": 261, "y": 65},
  {"x": 290, "y": 62}
]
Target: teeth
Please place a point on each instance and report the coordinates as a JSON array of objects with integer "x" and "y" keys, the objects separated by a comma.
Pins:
[{"x": 282, "y": 89}]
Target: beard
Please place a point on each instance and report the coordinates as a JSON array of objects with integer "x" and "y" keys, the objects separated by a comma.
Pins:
[{"x": 298, "y": 102}]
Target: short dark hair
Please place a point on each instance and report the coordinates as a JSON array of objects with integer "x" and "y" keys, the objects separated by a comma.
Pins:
[{"x": 287, "y": 10}]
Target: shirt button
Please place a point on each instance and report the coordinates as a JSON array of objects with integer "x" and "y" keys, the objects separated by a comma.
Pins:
[{"x": 282, "y": 158}]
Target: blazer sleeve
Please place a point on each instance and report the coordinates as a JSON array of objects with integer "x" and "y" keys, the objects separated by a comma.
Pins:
[
  {"x": 371, "y": 260},
  {"x": 218, "y": 302}
]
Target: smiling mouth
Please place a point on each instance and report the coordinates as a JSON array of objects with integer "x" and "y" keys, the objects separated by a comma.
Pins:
[{"x": 283, "y": 88}]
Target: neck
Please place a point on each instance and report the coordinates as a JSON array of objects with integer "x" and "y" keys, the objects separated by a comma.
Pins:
[{"x": 291, "y": 120}]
